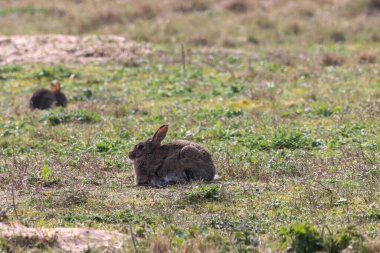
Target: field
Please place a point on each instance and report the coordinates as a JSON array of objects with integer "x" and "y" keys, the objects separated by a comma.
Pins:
[{"x": 285, "y": 96}]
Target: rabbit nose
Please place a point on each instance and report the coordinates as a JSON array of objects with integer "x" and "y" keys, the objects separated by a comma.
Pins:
[{"x": 131, "y": 155}]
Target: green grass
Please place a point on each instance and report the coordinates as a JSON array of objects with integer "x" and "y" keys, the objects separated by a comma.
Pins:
[
  {"x": 293, "y": 145},
  {"x": 60, "y": 116},
  {"x": 20, "y": 11}
]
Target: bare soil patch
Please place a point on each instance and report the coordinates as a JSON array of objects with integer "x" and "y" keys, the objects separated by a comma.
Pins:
[
  {"x": 66, "y": 239},
  {"x": 69, "y": 49}
]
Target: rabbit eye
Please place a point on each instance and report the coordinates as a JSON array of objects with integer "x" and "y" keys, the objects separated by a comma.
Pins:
[{"x": 140, "y": 146}]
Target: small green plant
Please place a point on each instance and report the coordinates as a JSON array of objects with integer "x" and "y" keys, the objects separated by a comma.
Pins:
[
  {"x": 245, "y": 240},
  {"x": 174, "y": 90},
  {"x": 123, "y": 216},
  {"x": 56, "y": 117},
  {"x": 46, "y": 173},
  {"x": 90, "y": 250},
  {"x": 55, "y": 72},
  {"x": 271, "y": 66},
  {"x": 219, "y": 113},
  {"x": 59, "y": 116},
  {"x": 45, "y": 177},
  {"x": 79, "y": 218},
  {"x": 220, "y": 221},
  {"x": 205, "y": 192},
  {"x": 374, "y": 214},
  {"x": 103, "y": 147},
  {"x": 14, "y": 127},
  {"x": 4, "y": 246},
  {"x": 84, "y": 116},
  {"x": 21, "y": 10},
  {"x": 302, "y": 238},
  {"x": 9, "y": 68},
  {"x": 322, "y": 110},
  {"x": 82, "y": 95},
  {"x": 291, "y": 139},
  {"x": 343, "y": 238}
]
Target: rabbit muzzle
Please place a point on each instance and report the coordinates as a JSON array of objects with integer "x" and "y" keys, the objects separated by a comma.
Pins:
[{"x": 132, "y": 155}]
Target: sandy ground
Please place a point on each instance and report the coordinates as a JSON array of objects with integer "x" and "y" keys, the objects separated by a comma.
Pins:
[
  {"x": 68, "y": 239},
  {"x": 69, "y": 49}
]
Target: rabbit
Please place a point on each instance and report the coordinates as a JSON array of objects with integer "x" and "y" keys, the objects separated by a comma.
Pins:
[
  {"x": 44, "y": 99},
  {"x": 176, "y": 162}
]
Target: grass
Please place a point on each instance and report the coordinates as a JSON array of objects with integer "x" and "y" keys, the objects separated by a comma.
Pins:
[
  {"x": 288, "y": 107},
  {"x": 289, "y": 155}
]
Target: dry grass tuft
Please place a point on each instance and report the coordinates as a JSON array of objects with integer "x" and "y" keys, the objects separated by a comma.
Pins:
[
  {"x": 107, "y": 16},
  {"x": 199, "y": 41},
  {"x": 237, "y": 6},
  {"x": 198, "y": 245},
  {"x": 145, "y": 11},
  {"x": 160, "y": 245},
  {"x": 337, "y": 36},
  {"x": 367, "y": 58},
  {"x": 373, "y": 247},
  {"x": 191, "y": 6},
  {"x": 332, "y": 60}
]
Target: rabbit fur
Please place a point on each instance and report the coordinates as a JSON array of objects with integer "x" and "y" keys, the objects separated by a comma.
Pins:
[
  {"x": 176, "y": 162},
  {"x": 44, "y": 99}
]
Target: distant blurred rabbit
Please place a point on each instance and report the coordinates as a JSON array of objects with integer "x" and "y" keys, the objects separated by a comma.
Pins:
[
  {"x": 44, "y": 99},
  {"x": 176, "y": 162}
]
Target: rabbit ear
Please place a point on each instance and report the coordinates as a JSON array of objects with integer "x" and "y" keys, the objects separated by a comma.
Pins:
[{"x": 160, "y": 134}]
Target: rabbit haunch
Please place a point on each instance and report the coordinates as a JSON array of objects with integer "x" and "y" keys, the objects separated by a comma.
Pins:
[
  {"x": 175, "y": 162},
  {"x": 44, "y": 99}
]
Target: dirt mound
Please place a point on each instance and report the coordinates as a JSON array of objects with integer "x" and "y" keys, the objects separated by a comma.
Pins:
[
  {"x": 69, "y": 49},
  {"x": 64, "y": 239}
]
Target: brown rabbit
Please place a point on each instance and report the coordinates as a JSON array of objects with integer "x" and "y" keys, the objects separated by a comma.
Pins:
[
  {"x": 44, "y": 99},
  {"x": 175, "y": 162}
]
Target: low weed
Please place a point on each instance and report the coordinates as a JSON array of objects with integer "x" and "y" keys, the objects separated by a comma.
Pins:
[
  {"x": 14, "y": 127},
  {"x": 45, "y": 178},
  {"x": 60, "y": 116},
  {"x": 219, "y": 113},
  {"x": 21, "y": 11},
  {"x": 304, "y": 238},
  {"x": 82, "y": 95},
  {"x": 342, "y": 239},
  {"x": 9, "y": 68},
  {"x": 123, "y": 216},
  {"x": 201, "y": 193},
  {"x": 322, "y": 110},
  {"x": 220, "y": 221},
  {"x": 291, "y": 139},
  {"x": 58, "y": 72}
]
